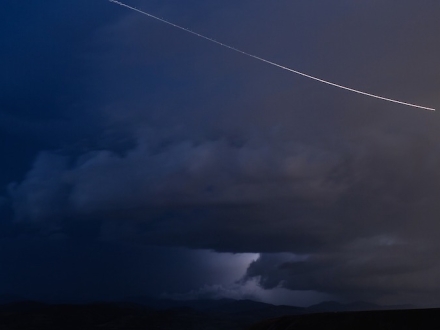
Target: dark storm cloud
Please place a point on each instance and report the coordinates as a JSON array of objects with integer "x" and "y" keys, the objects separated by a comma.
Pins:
[{"x": 220, "y": 152}]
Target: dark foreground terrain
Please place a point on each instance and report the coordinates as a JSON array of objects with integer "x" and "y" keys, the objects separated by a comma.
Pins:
[
  {"x": 108, "y": 316},
  {"x": 376, "y": 320},
  {"x": 204, "y": 315}
]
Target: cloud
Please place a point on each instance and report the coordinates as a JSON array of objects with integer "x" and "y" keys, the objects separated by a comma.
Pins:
[
  {"x": 237, "y": 291},
  {"x": 252, "y": 289},
  {"x": 66, "y": 269},
  {"x": 362, "y": 225},
  {"x": 184, "y": 173},
  {"x": 40, "y": 195},
  {"x": 381, "y": 271},
  {"x": 204, "y": 149}
]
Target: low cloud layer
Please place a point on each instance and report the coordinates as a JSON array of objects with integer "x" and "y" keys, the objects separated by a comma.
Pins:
[
  {"x": 365, "y": 222},
  {"x": 180, "y": 174}
]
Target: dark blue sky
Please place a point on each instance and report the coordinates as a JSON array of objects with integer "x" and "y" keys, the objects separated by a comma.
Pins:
[{"x": 138, "y": 159}]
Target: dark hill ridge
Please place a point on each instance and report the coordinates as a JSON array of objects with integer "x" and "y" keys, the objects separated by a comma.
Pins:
[
  {"x": 231, "y": 305},
  {"x": 333, "y": 306},
  {"x": 110, "y": 316},
  {"x": 162, "y": 314},
  {"x": 219, "y": 314},
  {"x": 425, "y": 319},
  {"x": 216, "y": 305},
  {"x": 358, "y": 306},
  {"x": 9, "y": 298}
]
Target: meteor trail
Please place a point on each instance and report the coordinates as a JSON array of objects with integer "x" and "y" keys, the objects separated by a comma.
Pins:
[{"x": 269, "y": 62}]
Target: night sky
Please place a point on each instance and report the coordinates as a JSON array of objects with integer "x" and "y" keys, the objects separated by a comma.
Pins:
[{"x": 138, "y": 159}]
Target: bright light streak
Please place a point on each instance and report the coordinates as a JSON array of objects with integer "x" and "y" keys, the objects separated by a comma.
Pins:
[{"x": 272, "y": 63}]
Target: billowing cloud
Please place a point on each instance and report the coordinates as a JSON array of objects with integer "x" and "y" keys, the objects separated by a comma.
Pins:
[
  {"x": 184, "y": 173},
  {"x": 363, "y": 223},
  {"x": 200, "y": 148}
]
